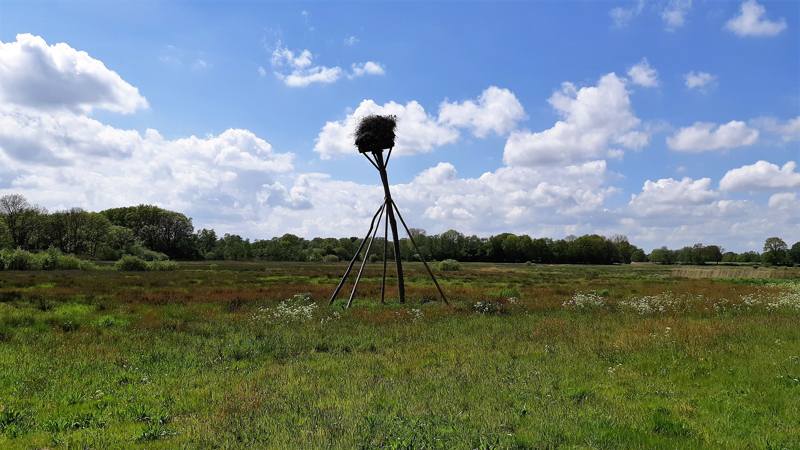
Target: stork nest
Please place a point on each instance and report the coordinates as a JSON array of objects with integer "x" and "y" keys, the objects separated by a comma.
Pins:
[{"x": 375, "y": 133}]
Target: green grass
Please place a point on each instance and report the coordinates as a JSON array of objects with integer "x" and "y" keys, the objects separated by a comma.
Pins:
[{"x": 207, "y": 356}]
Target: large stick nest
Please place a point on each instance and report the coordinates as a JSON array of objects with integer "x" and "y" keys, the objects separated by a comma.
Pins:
[{"x": 375, "y": 133}]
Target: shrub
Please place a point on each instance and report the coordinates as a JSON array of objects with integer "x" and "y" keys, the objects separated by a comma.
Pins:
[
  {"x": 49, "y": 260},
  {"x": 130, "y": 263},
  {"x": 147, "y": 254},
  {"x": 162, "y": 266},
  {"x": 449, "y": 265},
  {"x": 17, "y": 260},
  {"x": 330, "y": 259},
  {"x": 71, "y": 262}
]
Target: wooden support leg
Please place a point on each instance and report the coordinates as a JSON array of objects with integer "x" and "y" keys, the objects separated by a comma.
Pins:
[
  {"x": 355, "y": 256},
  {"x": 385, "y": 247},
  {"x": 364, "y": 260}
]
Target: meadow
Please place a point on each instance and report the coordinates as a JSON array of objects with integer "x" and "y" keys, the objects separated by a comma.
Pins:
[{"x": 231, "y": 355}]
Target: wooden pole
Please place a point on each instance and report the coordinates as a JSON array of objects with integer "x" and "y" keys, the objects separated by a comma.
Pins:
[
  {"x": 385, "y": 247},
  {"x": 366, "y": 257},
  {"x": 393, "y": 224},
  {"x": 411, "y": 238},
  {"x": 355, "y": 256}
]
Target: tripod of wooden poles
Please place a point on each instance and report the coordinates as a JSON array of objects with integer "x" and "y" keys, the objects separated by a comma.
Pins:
[{"x": 389, "y": 208}]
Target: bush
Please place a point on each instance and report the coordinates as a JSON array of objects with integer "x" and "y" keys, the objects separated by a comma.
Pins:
[
  {"x": 49, "y": 260},
  {"x": 147, "y": 254},
  {"x": 162, "y": 266},
  {"x": 130, "y": 263},
  {"x": 449, "y": 265},
  {"x": 17, "y": 260},
  {"x": 24, "y": 260},
  {"x": 71, "y": 262},
  {"x": 330, "y": 259}
]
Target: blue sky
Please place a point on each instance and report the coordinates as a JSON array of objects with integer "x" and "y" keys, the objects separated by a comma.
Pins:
[{"x": 201, "y": 68}]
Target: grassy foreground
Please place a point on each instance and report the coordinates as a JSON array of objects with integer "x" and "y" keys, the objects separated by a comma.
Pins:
[{"x": 526, "y": 357}]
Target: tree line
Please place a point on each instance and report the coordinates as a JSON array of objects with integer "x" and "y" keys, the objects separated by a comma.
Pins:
[{"x": 155, "y": 233}]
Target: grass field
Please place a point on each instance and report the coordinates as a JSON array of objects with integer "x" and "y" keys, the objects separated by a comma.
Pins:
[{"x": 211, "y": 355}]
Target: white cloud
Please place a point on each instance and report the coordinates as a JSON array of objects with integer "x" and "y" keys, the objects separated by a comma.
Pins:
[
  {"x": 262, "y": 71},
  {"x": 295, "y": 69},
  {"x": 418, "y": 132},
  {"x": 38, "y": 75},
  {"x": 306, "y": 77},
  {"x": 785, "y": 200},
  {"x": 350, "y": 41},
  {"x": 752, "y": 21},
  {"x": 622, "y": 16},
  {"x": 674, "y": 14},
  {"x": 366, "y": 68},
  {"x": 496, "y": 110},
  {"x": 64, "y": 159},
  {"x": 282, "y": 56},
  {"x": 788, "y": 131},
  {"x": 667, "y": 195},
  {"x": 643, "y": 75},
  {"x": 703, "y": 136},
  {"x": 698, "y": 80},
  {"x": 594, "y": 118},
  {"x": 437, "y": 174},
  {"x": 761, "y": 175}
]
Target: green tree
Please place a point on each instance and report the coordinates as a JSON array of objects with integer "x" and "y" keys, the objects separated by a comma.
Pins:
[
  {"x": 794, "y": 253},
  {"x": 158, "y": 229},
  {"x": 638, "y": 255},
  {"x": 662, "y": 255},
  {"x": 775, "y": 251},
  {"x": 206, "y": 243},
  {"x": 5, "y": 235}
]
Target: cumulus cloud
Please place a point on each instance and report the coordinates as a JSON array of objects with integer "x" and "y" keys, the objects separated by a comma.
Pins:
[
  {"x": 703, "y": 136},
  {"x": 65, "y": 159},
  {"x": 418, "y": 132},
  {"x": 785, "y": 200},
  {"x": 58, "y": 77},
  {"x": 698, "y": 80},
  {"x": 497, "y": 110},
  {"x": 761, "y": 176},
  {"x": 752, "y": 21},
  {"x": 667, "y": 195},
  {"x": 674, "y": 14},
  {"x": 594, "y": 118},
  {"x": 366, "y": 68},
  {"x": 643, "y": 74}
]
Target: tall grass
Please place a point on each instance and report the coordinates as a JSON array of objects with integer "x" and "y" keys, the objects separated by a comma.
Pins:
[{"x": 229, "y": 357}]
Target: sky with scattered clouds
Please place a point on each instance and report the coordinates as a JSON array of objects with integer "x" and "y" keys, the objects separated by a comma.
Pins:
[{"x": 672, "y": 122}]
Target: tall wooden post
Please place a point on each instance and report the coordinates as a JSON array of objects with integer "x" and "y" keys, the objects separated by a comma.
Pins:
[{"x": 392, "y": 224}]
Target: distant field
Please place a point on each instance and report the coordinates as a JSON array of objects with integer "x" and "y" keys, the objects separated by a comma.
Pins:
[{"x": 527, "y": 356}]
